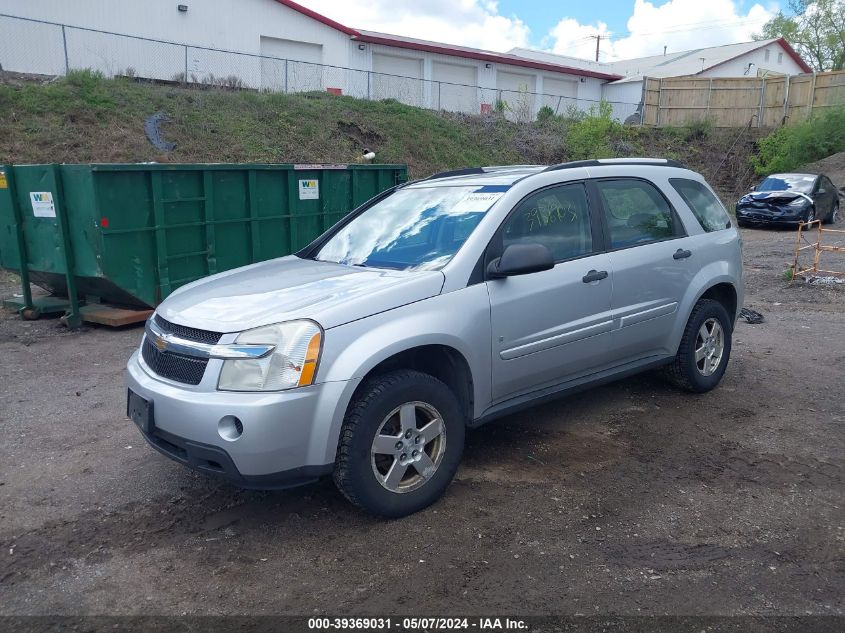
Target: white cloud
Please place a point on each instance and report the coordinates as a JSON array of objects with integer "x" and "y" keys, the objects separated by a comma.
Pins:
[
  {"x": 678, "y": 24},
  {"x": 475, "y": 23}
]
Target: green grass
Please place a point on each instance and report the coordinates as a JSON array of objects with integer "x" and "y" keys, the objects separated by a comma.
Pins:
[
  {"x": 85, "y": 118},
  {"x": 794, "y": 145}
]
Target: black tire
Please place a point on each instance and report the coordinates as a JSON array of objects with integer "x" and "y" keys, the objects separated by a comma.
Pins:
[
  {"x": 378, "y": 397},
  {"x": 684, "y": 372},
  {"x": 834, "y": 212},
  {"x": 811, "y": 214}
]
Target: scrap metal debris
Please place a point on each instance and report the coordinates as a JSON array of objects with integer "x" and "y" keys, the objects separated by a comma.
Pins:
[
  {"x": 154, "y": 134},
  {"x": 829, "y": 280},
  {"x": 751, "y": 316}
]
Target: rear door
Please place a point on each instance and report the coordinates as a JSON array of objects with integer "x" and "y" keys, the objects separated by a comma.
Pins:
[
  {"x": 553, "y": 325},
  {"x": 653, "y": 264},
  {"x": 830, "y": 194}
]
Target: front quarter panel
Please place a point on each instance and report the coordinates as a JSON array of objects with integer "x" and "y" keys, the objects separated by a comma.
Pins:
[{"x": 460, "y": 320}]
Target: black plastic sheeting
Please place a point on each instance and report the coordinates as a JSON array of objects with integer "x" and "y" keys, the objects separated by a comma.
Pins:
[
  {"x": 154, "y": 134},
  {"x": 751, "y": 316}
]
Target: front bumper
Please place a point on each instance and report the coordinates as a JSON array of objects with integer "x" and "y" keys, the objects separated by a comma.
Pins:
[
  {"x": 773, "y": 216},
  {"x": 288, "y": 437}
]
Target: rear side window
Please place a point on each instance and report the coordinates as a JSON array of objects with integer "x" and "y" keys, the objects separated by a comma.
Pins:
[
  {"x": 706, "y": 208},
  {"x": 636, "y": 212}
]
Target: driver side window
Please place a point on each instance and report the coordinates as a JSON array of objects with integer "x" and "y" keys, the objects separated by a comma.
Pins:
[{"x": 557, "y": 217}]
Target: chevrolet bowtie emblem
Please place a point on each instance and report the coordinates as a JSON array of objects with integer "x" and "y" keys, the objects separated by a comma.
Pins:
[{"x": 160, "y": 343}]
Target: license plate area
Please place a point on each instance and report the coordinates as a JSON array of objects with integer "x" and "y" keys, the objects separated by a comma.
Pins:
[{"x": 140, "y": 411}]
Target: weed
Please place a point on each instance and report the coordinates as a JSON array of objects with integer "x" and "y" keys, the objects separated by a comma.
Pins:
[
  {"x": 793, "y": 145},
  {"x": 591, "y": 136}
]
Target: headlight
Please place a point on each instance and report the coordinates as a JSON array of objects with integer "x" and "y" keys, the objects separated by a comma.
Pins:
[
  {"x": 292, "y": 363},
  {"x": 798, "y": 202}
]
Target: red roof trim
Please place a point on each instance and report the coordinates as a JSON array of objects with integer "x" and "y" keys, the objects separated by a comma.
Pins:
[
  {"x": 444, "y": 49},
  {"x": 794, "y": 55},
  {"x": 483, "y": 56},
  {"x": 784, "y": 44},
  {"x": 318, "y": 16}
]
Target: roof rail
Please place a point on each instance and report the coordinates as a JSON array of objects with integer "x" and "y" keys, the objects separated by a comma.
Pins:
[
  {"x": 599, "y": 162},
  {"x": 466, "y": 171}
]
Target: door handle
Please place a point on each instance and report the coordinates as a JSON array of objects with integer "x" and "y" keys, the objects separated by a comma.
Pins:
[
  {"x": 682, "y": 254},
  {"x": 594, "y": 275}
]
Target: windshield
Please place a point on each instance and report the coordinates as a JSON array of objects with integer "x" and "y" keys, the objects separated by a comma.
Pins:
[
  {"x": 416, "y": 228},
  {"x": 788, "y": 182}
]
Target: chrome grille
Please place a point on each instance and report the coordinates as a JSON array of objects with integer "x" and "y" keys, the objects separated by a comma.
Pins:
[{"x": 184, "y": 369}]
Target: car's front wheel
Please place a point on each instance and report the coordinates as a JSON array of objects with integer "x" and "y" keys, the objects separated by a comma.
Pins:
[
  {"x": 704, "y": 350},
  {"x": 400, "y": 445}
]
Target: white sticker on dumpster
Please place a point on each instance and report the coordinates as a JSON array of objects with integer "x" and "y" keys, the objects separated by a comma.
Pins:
[
  {"x": 42, "y": 204},
  {"x": 309, "y": 189}
]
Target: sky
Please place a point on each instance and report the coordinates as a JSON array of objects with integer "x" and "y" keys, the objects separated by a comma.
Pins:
[{"x": 628, "y": 28}]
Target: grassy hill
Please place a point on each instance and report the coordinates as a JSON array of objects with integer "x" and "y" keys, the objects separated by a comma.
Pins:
[{"x": 86, "y": 118}]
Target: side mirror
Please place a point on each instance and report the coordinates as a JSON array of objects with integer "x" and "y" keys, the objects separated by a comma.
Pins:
[
  {"x": 521, "y": 259},
  {"x": 753, "y": 187}
]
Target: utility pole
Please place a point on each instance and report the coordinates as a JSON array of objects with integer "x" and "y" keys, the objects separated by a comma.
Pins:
[{"x": 598, "y": 39}]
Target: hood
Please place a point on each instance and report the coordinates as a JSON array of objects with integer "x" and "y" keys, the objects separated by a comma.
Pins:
[
  {"x": 292, "y": 288},
  {"x": 773, "y": 197}
]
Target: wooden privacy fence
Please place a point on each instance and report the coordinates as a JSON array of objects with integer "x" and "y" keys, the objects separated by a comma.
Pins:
[{"x": 739, "y": 101}]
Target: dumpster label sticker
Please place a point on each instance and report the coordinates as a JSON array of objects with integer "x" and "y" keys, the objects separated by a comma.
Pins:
[
  {"x": 309, "y": 189},
  {"x": 42, "y": 204},
  {"x": 3, "y": 183}
]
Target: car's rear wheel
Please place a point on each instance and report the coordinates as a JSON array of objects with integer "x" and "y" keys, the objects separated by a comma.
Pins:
[
  {"x": 833, "y": 218},
  {"x": 400, "y": 445},
  {"x": 704, "y": 350}
]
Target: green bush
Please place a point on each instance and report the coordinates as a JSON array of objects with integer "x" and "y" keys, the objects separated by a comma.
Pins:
[
  {"x": 794, "y": 145},
  {"x": 698, "y": 130},
  {"x": 591, "y": 136},
  {"x": 545, "y": 114}
]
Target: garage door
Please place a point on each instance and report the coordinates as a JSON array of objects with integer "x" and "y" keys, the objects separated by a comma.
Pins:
[
  {"x": 397, "y": 78},
  {"x": 301, "y": 72},
  {"x": 559, "y": 94},
  {"x": 517, "y": 90},
  {"x": 456, "y": 87}
]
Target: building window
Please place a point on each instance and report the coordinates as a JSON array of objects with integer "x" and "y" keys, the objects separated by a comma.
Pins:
[
  {"x": 768, "y": 52},
  {"x": 780, "y": 58}
]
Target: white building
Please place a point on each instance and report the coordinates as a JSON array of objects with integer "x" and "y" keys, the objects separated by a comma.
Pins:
[
  {"x": 282, "y": 46},
  {"x": 745, "y": 59}
]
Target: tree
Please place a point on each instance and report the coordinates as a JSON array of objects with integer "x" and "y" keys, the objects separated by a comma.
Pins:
[{"x": 816, "y": 30}]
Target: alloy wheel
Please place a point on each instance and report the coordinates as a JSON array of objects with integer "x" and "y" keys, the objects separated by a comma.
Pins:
[
  {"x": 408, "y": 447},
  {"x": 709, "y": 347}
]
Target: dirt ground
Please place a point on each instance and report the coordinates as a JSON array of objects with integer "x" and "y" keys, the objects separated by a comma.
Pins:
[{"x": 631, "y": 498}]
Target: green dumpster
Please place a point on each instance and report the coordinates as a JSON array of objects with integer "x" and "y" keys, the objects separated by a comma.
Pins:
[{"x": 127, "y": 235}]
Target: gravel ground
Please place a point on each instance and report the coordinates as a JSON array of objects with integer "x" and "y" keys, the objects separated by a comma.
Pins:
[{"x": 631, "y": 498}]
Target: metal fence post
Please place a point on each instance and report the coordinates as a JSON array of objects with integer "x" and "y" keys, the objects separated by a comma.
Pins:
[
  {"x": 185, "y": 80},
  {"x": 812, "y": 96},
  {"x": 785, "y": 100},
  {"x": 286, "y": 75},
  {"x": 369, "y": 89},
  {"x": 438, "y": 95},
  {"x": 762, "y": 99},
  {"x": 64, "y": 43}
]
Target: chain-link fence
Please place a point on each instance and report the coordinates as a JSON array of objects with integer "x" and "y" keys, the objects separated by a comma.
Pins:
[{"x": 47, "y": 48}]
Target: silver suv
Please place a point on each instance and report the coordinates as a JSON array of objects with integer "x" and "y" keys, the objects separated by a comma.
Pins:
[{"x": 439, "y": 305}]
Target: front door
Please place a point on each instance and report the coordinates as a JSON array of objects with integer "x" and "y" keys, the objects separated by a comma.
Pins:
[{"x": 554, "y": 325}]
